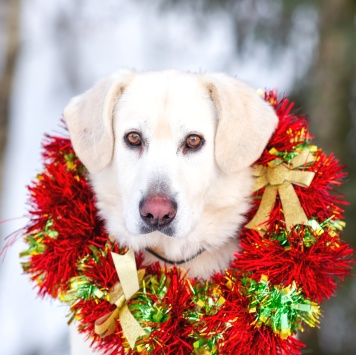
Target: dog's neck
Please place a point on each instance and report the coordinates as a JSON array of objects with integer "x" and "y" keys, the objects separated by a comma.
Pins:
[
  {"x": 159, "y": 254},
  {"x": 202, "y": 264}
]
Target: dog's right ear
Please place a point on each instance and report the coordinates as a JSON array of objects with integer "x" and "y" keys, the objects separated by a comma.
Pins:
[
  {"x": 245, "y": 122},
  {"x": 89, "y": 120}
]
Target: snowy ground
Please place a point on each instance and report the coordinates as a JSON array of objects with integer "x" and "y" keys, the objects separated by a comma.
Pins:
[{"x": 66, "y": 46}]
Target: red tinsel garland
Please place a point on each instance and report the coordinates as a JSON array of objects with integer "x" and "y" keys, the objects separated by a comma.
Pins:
[{"x": 69, "y": 258}]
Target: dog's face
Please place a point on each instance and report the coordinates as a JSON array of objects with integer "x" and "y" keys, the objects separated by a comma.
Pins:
[
  {"x": 164, "y": 154},
  {"x": 169, "y": 155}
]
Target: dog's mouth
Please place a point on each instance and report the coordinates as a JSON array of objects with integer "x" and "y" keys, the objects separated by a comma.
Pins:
[{"x": 169, "y": 231}]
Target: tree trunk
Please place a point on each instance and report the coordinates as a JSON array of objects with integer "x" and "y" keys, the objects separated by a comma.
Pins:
[
  {"x": 330, "y": 98},
  {"x": 334, "y": 76},
  {"x": 10, "y": 13}
]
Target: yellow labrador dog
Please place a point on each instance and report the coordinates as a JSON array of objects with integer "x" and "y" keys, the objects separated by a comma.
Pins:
[{"x": 169, "y": 156}]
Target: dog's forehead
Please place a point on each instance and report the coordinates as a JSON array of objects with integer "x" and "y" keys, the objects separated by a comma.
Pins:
[{"x": 170, "y": 96}]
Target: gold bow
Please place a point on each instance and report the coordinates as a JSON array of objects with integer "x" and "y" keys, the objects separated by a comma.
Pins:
[
  {"x": 280, "y": 179},
  {"x": 130, "y": 280}
]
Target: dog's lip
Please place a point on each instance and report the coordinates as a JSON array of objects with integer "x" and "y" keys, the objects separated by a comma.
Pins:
[{"x": 168, "y": 231}]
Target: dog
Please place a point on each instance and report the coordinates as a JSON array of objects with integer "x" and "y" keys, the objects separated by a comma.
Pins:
[{"x": 169, "y": 155}]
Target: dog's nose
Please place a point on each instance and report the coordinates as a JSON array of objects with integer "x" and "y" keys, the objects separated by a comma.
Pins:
[{"x": 158, "y": 210}]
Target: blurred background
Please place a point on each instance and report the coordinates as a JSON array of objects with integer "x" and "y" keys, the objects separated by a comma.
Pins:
[{"x": 52, "y": 50}]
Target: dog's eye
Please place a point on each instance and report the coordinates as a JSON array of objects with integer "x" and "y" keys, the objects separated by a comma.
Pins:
[
  {"x": 133, "y": 139},
  {"x": 194, "y": 141}
]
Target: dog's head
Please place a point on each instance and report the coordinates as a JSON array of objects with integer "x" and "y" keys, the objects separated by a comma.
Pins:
[{"x": 169, "y": 156}]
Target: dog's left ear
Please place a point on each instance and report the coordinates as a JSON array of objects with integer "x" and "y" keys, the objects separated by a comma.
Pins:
[{"x": 245, "y": 122}]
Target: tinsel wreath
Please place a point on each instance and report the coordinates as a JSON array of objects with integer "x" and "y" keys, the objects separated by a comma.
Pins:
[{"x": 285, "y": 265}]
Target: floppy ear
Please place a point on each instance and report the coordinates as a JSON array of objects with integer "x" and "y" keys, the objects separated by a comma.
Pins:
[
  {"x": 89, "y": 120},
  {"x": 245, "y": 122}
]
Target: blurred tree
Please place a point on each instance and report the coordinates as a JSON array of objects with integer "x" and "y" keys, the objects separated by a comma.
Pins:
[
  {"x": 326, "y": 89},
  {"x": 9, "y": 27}
]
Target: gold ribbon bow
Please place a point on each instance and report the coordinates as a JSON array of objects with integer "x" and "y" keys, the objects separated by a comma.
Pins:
[
  {"x": 280, "y": 179},
  {"x": 130, "y": 280}
]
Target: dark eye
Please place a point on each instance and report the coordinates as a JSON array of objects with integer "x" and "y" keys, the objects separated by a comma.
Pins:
[
  {"x": 194, "y": 141},
  {"x": 133, "y": 139}
]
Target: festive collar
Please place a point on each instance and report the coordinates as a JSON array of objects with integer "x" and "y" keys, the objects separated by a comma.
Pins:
[
  {"x": 158, "y": 255},
  {"x": 289, "y": 259}
]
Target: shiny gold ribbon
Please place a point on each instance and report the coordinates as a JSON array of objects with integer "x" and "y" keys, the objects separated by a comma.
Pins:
[
  {"x": 130, "y": 280},
  {"x": 279, "y": 179}
]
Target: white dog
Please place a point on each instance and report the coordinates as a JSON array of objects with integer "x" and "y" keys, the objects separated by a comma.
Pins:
[{"x": 169, "y": 156}]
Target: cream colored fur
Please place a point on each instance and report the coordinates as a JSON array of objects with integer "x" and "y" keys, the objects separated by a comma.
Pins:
[{"x": 212, "y": 186}]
